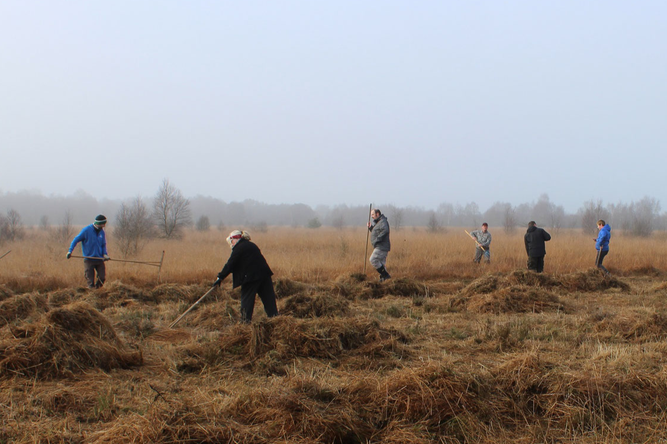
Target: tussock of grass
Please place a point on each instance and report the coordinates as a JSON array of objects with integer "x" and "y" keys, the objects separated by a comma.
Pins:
[
  {"x": 62, "y": 342},
  {"x": 592, "y": 280},
  {"x": 271, "y": 345},
  {"x": 319, "y": 305},
  {"x": 660, "y": 287},
  {"x": 286, "y": 287},
  {"x": 585, "y": 281},
  {"x": 5, "y": 293},
  {"x": 21, "y": 307},
  {"x": 634, "y": 326},
  {"x": 517, "y": 299},
  {"x": 176, "y": 292},
  {"x": 532, "y": 279}
]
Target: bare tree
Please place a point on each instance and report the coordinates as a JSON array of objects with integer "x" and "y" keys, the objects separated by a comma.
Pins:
[
  {"x": 15, "y": 228},
  {"x": 4, "y": 229},
  {"x": 557, "y": 215},
  {"x": 65, "y": 231},
  {"x": 134, "y": 227},
  {"x": 447, "y": 213},
  {"x": 338, "y": 222},
  {"x": 509, "y": 221},
  {"x": 44, "y": 223},
  {"x": 590, "y": 214},
  {"x": 203, "y": 223},
  {"x": 433, "y": 225},
  {"x": 396, "y": 215},
  {"x": 645, "y": 214},
  {"x": 171, "y": 211}
]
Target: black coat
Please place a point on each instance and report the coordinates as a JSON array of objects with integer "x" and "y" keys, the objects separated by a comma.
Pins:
[
  {"x": 534, "y": 240},
  {"x": 246, "y": 264}
]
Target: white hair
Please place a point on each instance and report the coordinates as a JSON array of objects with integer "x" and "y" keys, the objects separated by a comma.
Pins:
[{"x": 237, "y": 234}]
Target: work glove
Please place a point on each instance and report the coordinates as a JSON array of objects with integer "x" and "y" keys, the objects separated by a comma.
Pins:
[
  {"x": 69, "y": 254},
  {"x": 217, "y": 282},
  {"x": 106, "y": 258}
]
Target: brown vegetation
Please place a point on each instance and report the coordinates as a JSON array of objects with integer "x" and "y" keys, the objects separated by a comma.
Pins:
[{"x": 445, "y": 352}]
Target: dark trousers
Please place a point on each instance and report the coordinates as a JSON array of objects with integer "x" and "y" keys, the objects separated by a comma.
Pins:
[
  {"x": 90, "y": 267},
  {"x": 600, "y": 258},
  {"x": 264, "y": 289},
  {"x": 536, "y": 264}
]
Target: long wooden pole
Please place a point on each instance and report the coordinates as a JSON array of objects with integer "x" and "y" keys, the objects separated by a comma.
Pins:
[
  {"x": 368, "y": 232},
  {"x": 154, "y": 264},
  {"x": 192, "y": 306},
  {"x": 476, "y": 241},
  {"x": 5, "y": 254},
  {"x": 159, "y": 270}
]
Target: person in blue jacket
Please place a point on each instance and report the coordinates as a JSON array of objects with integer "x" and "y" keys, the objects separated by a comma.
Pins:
[
  {"x": 602, "y": 244},
  {"x": 94, "y": 249}
]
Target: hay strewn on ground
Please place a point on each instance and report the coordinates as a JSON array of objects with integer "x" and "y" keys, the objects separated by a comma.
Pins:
[{"x": 522, "y": 357}]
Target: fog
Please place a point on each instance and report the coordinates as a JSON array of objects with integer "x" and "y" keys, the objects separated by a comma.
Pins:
[{"x": 332, "y": 103}]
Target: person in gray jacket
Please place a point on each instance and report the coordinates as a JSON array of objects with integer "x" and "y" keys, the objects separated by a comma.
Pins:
[
  {"x": 379, "y": 229},
  {"x": 483, "y": 238}
]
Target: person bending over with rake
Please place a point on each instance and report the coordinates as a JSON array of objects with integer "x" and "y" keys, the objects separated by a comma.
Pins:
[
  {"x": 94, "y": 250},
  {"x": 251, "y": 272}
]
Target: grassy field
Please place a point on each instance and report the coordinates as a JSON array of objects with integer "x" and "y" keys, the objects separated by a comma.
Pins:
[{"x": 445, "y": 352}]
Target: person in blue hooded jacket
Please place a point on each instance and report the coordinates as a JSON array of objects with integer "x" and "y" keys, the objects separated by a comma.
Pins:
[
  {"x": 94, "y": 249},
  {"x": 602, "y": 244}
]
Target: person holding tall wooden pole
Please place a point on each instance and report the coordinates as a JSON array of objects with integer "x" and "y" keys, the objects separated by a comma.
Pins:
[
  {"x": 483, "y": 239},
  {"x": 379, "y": 230}
]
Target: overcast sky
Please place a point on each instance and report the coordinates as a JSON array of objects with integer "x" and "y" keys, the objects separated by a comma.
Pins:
[{"x": 340, "y": 102}]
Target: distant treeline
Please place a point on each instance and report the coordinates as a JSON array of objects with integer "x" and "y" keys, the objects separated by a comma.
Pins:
[{"x": 641, "y": 217}]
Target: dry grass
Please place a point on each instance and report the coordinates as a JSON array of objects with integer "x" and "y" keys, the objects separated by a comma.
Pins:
[
  {"x": 446, "y": 352},
  {"x": 322, "y": 255}
]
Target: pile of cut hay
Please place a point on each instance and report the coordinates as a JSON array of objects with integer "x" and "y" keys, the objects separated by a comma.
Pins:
[
  {"x": 517, "y": 299},
  {"x": 633, "y": 326},
  {"x": 175, "y": 292},
  {"x": 271, "y": 345},
  {"x": 21, "y": 307},
  {"x": 65, "y": 340},
  {"x": 353, "y": 286},
  {"x": 592, "y": 280},
  {"x": 286, "y": 287},
  {"x": 303, "y": 306}
]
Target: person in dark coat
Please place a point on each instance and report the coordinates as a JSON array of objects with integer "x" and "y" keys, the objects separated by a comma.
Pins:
[
  {"x": 251, "y": 272},
  {"x": 534, "y": 239}
]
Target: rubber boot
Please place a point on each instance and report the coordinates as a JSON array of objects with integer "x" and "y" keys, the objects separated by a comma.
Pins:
[{"x": 383, "y": 274}]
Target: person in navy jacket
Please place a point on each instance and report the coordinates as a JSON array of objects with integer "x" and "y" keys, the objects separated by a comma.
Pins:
[
  {"x": 602, "y": 244},
  {"x": 251, "y": 272},
  {"x": 94, "y": 249},
  {"x": 534, "y": 240}
]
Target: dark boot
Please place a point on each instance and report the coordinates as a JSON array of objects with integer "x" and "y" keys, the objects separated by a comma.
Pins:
[{"x": 383, "y": 274}]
